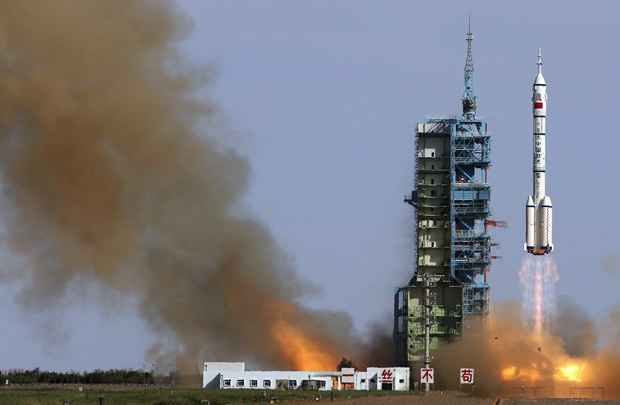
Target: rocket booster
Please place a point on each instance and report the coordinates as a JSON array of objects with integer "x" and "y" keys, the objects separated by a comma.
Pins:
[{"x": 538, "y": 209}]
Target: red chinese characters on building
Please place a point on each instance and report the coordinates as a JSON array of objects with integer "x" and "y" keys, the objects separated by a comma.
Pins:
[{"x": 467, "y": 375}]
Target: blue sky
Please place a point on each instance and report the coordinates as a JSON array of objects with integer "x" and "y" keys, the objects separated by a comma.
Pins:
[{"x": 323, "y": 97}]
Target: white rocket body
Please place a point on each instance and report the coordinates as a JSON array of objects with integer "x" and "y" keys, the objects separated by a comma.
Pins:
[{"x": 538, "y": 209}]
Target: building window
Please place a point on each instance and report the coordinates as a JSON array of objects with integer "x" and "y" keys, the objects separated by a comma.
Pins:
[
  {"x": 432, "y": 181},
  {"x": 363, "y": 380},
  {"x": 292, "y": 384},
  {"x": 253, "y": 383},
  {"x": 401, "y": 381},
  {"x": 267, "y": 383},
  {"x": 227, "y": 383},
  {"x": 240, "y": 383},
  {"x": 321, "y": 384}
]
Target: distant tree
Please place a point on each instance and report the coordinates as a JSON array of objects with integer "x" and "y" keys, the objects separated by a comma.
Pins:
[
  {"x": 114, "y": 376},
  {"x": 345, "y": 363}
]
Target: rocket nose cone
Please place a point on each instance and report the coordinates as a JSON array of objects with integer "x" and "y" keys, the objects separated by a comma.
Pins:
[
  {"x": 539, "y": 80},
  {"x": 530, "y": 201}
]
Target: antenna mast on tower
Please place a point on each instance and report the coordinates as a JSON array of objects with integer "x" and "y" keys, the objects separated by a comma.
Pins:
[{"x": 469, "y": 99}]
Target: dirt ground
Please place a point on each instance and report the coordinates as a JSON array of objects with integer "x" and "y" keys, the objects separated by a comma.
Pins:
[
  {"x": 451, "y": 398},
  {"x": 559, "y": 402},
  {"x": 434, "y": 398}
]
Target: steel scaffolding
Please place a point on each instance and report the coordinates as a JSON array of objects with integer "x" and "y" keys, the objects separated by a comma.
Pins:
[{"x": 452, "y": 248}]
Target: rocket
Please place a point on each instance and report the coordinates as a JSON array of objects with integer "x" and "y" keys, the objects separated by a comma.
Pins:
[{"x": 538, "y": 209}]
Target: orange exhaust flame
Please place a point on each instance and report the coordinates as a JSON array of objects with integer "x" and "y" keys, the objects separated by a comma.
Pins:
[
  {"x": 303, "y": 352},
  {"x": 572, "y": 372},
  {"x": 568, "y": 371},
  {"x": 526, "y": 375}
]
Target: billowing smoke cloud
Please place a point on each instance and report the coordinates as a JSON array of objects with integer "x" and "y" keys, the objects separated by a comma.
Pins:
[
  {"x": 614, "y": 320},
  {"x": 112, "y": 171},
  {"x": 576, "y": 329},
  {"x": 508, "y": 357},
  {"x": 378, "y": 346},
  {"x": 488, "y": 346}
]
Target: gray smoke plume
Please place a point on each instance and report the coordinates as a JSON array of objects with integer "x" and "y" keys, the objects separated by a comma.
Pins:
[
  {"x": 575, "y": 327},
  {"x": 112, "y": 172}
]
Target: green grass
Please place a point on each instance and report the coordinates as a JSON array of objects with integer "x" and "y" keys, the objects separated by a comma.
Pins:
[{"x": 169, "y": 397}]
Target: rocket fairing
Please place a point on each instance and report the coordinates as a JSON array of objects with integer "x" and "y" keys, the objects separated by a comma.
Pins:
[{"x": 538, "y": 208}]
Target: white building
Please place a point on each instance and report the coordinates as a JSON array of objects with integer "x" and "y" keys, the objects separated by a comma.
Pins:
[{"x": 225, "y": 375}]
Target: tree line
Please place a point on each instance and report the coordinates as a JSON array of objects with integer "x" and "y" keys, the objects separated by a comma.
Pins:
[{"x": 114, "y": 376}]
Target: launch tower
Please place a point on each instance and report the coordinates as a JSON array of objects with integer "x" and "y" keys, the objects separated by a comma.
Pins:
[{"x": 453, "y": 248}]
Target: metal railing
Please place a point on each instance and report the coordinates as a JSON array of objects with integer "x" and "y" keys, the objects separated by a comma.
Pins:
[
  {"x": 471, "y": 210},
  {"x": 471, "y": 260},
  {"x": 568, "y": 392},
  {"x": 470, "y": 234}
]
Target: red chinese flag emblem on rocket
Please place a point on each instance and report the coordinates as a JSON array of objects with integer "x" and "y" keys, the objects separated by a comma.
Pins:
[{"x": 538, "y": 104}]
